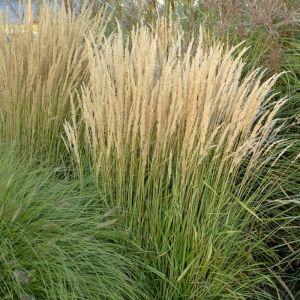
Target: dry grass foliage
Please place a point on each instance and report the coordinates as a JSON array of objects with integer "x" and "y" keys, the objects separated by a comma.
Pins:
[
  {"x": 156, "y": 102},
  {"x": 250, "y": 14},
  {"x": 39, "y": 73}
]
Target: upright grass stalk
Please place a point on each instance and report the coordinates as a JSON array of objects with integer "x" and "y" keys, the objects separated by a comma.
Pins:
[
  {"x": 181, "y": 143},
  {"x": 39, "y": 72}
]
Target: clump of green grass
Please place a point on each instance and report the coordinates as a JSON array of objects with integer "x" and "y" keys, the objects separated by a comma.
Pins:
[
  {"x": 56, "y": 245},
  {"x": 185, "y": 145},
  {"x": 289, "y": 193}
]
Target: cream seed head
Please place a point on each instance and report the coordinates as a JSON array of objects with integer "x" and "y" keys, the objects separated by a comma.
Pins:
[{"x": 145, "y": 101}]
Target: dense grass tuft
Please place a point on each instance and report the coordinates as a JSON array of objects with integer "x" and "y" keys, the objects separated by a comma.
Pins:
[
  {"x": 55, "y": 245},
  {"x": 39, "y": 73},
  {"x": 188, "y": 144}
]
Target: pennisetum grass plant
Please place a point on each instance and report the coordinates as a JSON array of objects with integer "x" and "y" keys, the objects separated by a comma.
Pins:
[{"x": 184, "y": 145}]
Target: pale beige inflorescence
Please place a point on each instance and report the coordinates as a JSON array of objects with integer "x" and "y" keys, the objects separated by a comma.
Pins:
[
  {"x": 39, "y": 72},
  {"x": 148, "y": 98}
]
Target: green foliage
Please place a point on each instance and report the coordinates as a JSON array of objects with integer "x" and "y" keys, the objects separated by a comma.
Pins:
[{"x": 56, "y": 245}]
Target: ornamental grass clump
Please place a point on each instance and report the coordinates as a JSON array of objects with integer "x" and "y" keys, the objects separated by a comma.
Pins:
[
  {"x": 55, "y": 244},
  {"x": 184, "y": 144},
  {"x": 39, "y": 73}
]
